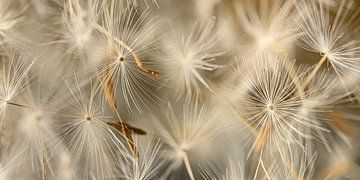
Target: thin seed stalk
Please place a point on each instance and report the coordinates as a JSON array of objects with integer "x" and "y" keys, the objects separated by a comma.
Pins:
[
  {"x": 187, "y": 164},
  {"x": 42, "y": 155},
  {"x": 314, "y": 71},
  {"x": 127, "y": 136},
  {"x": 17, "y": 104},
  {"x": 294, "y": 77}
]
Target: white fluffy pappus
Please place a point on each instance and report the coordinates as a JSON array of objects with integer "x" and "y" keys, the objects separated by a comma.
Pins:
[
  {"x": 147, "y": 164},
  {"x": 15, "y": 73},
  {"x": 334, "y": 38},
  {"x": 129, "y": 38},
  {"x": 301, "y": 168},
  {"x": 269, "y": 101},
  {"x": 264, "y": 26},
  {"x": 10, "y": 16},
  {"x": 9, "y": 166},
  {"x": 79, "y": 18},
  {"x": 35, "y": 138},
  {"x": 188, "y": 133},
  {"x": 91, "y": 143},
  {"x": 234, "y": 171},
  {"x": 187, "y": 58},
  {"x": 337, "y": 108}
]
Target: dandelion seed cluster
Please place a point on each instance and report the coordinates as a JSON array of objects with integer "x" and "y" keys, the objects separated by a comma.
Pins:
[{"x": 179, "y": 89}]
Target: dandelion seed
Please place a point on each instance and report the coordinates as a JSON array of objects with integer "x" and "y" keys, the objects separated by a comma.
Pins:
[
  {"x": 184, "y": 135},
  {"x": 267, "y": 99},
  {"x": 187, "y": 57},
  {"x": 79, "y": 18},
  {"x": 109, "y": 94},
  {"x": 35, "y": 130},
  {"x": 265, "y": 26},
  {"x": 91, "y": 143},
  {"x": 336, "y": 108},
  {"x": 334, "y": 40},
  {"x": 130, "y": 37},
  {"x": 16, "y": 69}
]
